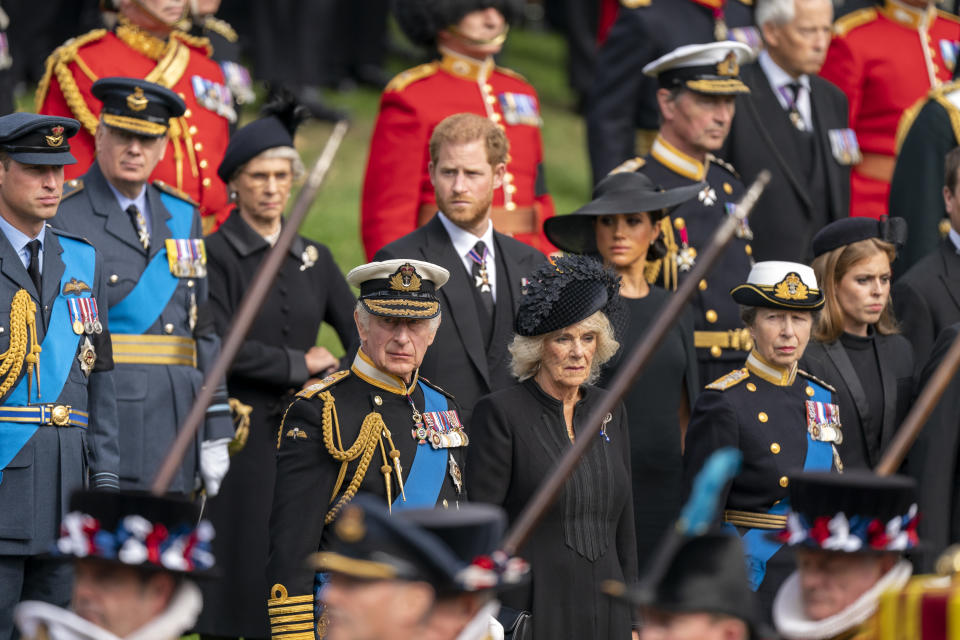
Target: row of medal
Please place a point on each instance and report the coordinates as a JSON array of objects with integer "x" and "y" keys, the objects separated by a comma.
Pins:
[
  {"x": 187, "y": 257},
  {"x": 84, "y": 317},
  {"x": 442, "y": 429}
]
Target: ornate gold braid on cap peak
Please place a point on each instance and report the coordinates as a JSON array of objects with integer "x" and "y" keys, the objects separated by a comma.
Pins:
[
  {"x": 372, "y": 430},
  {"x": 389, "y": 306},
  {"x": 23, "y": 325}
]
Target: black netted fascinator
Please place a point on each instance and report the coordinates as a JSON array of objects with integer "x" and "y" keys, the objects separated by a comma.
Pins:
[{"x": 565, "y": 291}]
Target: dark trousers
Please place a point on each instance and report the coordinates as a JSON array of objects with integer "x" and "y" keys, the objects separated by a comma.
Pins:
[{"x": 31, "y": 578}]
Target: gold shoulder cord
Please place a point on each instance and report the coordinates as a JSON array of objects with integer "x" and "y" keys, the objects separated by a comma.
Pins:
[
  {"x": 669, "y": 260},
  {"x": 370, "y": 437},
  {"x": 23, "y": 324},
  {"x": 57, "y": 64}
]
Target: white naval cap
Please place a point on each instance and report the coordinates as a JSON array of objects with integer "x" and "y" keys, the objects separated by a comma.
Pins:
[
  {"x": 780, "y": 285},
  {"x": 712, "y": 68},
  {"x": 399, "y": 288}
]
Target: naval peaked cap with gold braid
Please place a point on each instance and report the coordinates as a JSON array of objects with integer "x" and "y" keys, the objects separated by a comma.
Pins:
[
  {"x": 399, "y": 288},
  {"x": 780, "y": 285}
]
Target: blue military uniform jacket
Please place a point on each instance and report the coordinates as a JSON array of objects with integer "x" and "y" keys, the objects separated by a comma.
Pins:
[
  {"x": 152, "y": 399},
  {"x": 719, "y": 335},
  {"x": 54, "y": 461}
]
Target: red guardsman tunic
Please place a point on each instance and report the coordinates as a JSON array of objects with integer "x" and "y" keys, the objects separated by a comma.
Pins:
[
  {"x": 397, "y": 193},
  {"x": 886, "y": 59},
  {"x": 181, "y": 63}
]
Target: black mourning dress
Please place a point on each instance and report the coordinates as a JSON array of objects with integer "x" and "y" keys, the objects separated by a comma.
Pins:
[
  {"x": 516, "y": 437},
  {"x": 874, "y": 380},
  {"x": 308, "y": 291},
  {"x": 652, "y": 404}
]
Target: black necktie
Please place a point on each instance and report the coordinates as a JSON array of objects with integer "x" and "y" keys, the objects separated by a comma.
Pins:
[
  {"x": 34, "y": 267},
  {"x": 793, "y": 98},
  {"x": 139, "y": 225}
]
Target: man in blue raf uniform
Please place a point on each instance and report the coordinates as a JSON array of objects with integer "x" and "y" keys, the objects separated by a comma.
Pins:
[
  {"x": 377, "y": 427},
  {"x": 58, "y": 418},
  {"x": 149, "y": 235},
  {"x": 698, "y": 84}
]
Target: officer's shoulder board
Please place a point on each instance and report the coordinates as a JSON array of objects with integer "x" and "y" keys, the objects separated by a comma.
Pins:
[
  {"x": 854, "y": 19},
  {"x": 628, "y": 166},
  {"x": 723, "y": 164},
  {"x": 71, "y": 188},
  {"x": 222, "y": 28},
  {"x": 945, "y": 15},
  {"x": 57, "y": 63},
  {"x": 176, "y": 193},
  {"x": 197, "y": 42},
  {"x": 405, "y": 78},
  {"x": 947, "y": 95},
  {"x": 732, "y": 379},
  {"x": 67, "y": 234},
  {"x": 809, "y": 376},
  {"x": 436, "y": 388},
  {"x": 513, "y": 74},
  {"x": 324, "y": 384}
]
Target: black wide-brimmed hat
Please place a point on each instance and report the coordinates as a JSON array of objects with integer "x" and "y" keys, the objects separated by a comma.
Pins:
[
  {"x": 846, "y": 231},
  {"x": 712, "y": 68},
  {"x": 276, "y": 127},
  {"x": 399, "y": 288},
  {"x": 626, "y": 192},
  {"x": 852, "y": 512},
  {"x": 705, "y": 574},
  {"x": 780, "y": 285},
  {"x": 137, "y": 529},
  {"x": 138, "y": 106},
  {"x": 42, "y": 140},
  {"x": 565, "y": 291},
  {"x": 453, "y": 550},
  {"x": 422, "y": 20}
]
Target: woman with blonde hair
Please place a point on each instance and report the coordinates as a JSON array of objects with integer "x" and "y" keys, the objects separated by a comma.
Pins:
[
  {"x": 517, "y": 435},
  {"x": 857, "y": 346}
]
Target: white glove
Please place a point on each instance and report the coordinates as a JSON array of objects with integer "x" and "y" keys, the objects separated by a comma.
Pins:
[{"x": 214, "y": 463}]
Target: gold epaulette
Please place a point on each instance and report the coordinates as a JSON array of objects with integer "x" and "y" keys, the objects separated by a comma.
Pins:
[
  {"x": 513, "y": 74},
  {"x": 939, "y": 95},
  {"x": 635, "y": 4},
  {"x": 221, "y": 27},
  {"x": 405, "y": 78},
  {"x": 945, "y": 15},
  {"x": 854, "y": 19},
  {"x": 732, "y": 379},
  {"x": 291, "y": 617},
  {"x": 71, "y": 188},
  {"x": 200, "y": 42},
  {"x": 329, "y": 381},
  {"x": 628, "y": 166},
  {"x": 57, "y": 64},
  {"x": 722, "y": 163},
  {"x": 173, "y": 191},
  {"x": 822, "y": 383}
]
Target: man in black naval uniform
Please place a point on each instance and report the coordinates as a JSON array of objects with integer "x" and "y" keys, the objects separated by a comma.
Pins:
[
  {"x": 698, "y": 85},
  {"x": 58, "y": 417},
  {"x": 621, "y": 98},
  {"x": 149, "y": 235},
  {"x": 794, "y": 124},
  {"x": 377, "y": 427}
]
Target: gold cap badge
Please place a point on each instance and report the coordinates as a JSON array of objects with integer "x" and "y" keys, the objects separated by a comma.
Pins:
[
  {"x": 729, "y": 66},
  {"x": 405, "y": 279},
  {"x": 56, "y": 139},
  {"x": 791, "y": 288},
  {"x": 136, "y": 101},
  {"x": 350, "y": 527}
]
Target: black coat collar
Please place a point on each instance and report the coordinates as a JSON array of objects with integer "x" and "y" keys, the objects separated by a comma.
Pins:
[{"x": 245, "y": 241}]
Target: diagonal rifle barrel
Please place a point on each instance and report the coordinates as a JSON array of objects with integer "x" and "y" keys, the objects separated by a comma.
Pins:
[
  {"x": 249, "y": 307},
  {"x": 550, "y": 488}
]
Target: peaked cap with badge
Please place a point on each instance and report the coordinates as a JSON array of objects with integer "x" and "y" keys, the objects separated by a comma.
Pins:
[
  {"x": 361, "y": 430},
  {"x": 41, "y": 140},
  {"x": 712, "y": 68},
  {"x": 399, "y": 288},
  {"x": 134, "y": 105},
  {"x": 155, "y": 269},
  {"x": 784, "y": 419}
]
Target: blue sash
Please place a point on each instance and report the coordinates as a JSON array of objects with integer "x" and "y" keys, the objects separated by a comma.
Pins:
[
  {"x": 757, "y": 543},
  {"x": 140, "y": 308},
  {"x": 57, "y": 353},
  {"x": 425, "y": 479}
]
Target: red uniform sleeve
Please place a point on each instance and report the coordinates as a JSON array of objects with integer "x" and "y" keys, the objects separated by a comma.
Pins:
[
  {"x": 844, "y": 69},
  {"x": 391, "y": 186}
]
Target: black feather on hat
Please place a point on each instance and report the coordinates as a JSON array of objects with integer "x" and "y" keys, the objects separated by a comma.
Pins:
[
  {"x": 275, "y": 128},
  {"x": 565, "y": 291},
  {"x": 422, "y": 20}
]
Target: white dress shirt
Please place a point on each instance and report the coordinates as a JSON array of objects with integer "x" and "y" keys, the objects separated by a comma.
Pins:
[
  {"x": 463, "y": 242},
  {"x": 143, "y": 206},
  {"x": 779, "y": 79}
]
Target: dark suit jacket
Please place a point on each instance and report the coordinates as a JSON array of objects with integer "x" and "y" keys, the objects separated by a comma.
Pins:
[
  {"x": 831, "y": 363},
  {"x": 456, "y": 360},
  {"x": 927, "y": 299},
  {"x": 762, "y": 137}
]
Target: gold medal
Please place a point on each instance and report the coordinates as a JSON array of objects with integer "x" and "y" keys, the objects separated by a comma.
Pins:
[{"x": 78, "y": 327}]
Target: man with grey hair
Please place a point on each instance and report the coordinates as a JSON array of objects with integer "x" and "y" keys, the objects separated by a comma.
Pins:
[
  {"x": 377, "y": 427},
  {"x": 793, "y": 123}
]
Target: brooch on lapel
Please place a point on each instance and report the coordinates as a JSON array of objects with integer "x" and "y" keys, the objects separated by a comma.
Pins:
[{"x": 309, "y": 257}]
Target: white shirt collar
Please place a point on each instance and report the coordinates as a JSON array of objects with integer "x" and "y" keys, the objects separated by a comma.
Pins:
[
  {"x": 140, "y": 201},
  {"x": 19, "y": 241},
  {"x": 463, "y": 241},
  {"x": 778, "y": 78}
]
